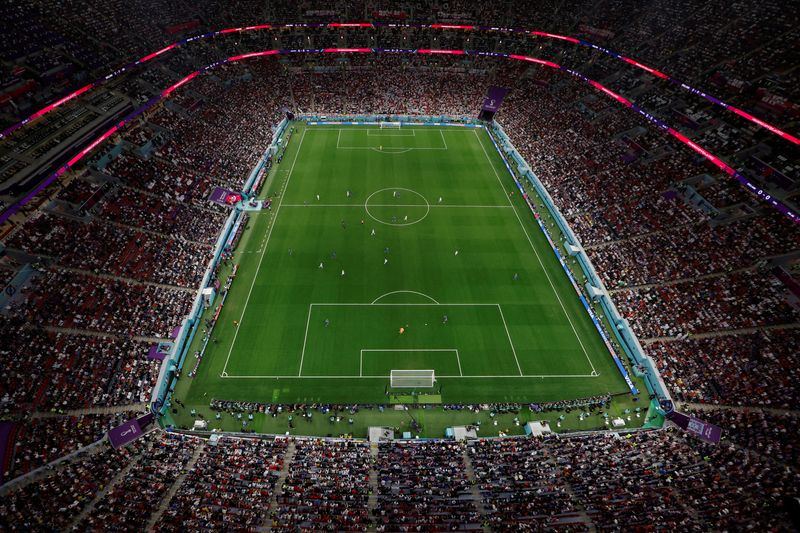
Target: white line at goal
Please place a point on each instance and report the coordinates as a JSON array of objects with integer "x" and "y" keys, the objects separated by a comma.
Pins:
[
  {"x": 390, "y": 125},
  {"x": 412, "y": 379}
]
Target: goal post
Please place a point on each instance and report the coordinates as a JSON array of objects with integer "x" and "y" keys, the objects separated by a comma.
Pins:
[
  {"x": 412, "y": 379},
  {"x": 390, "y": 125}
]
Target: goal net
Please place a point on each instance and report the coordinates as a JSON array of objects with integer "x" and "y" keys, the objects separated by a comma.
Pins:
[
  {"x": 390, "y": 125},
  {"x": 412, "y": 379}
]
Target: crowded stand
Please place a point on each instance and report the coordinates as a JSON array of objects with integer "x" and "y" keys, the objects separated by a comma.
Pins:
[
  {"x": 117, "y": 250},
  {"x": 129, "y": 504},
  {"x": 521, "y": 486},
  {"x": 63, "y": 371},
  {"x": 120, "y": 251},
  {"x": 326, "y": 489},
  {"x": 43, "y": 440},
  {"x": 424, "y": 487},
  {"x": 79, "y": 301},
  {"x": 65, "y": 491},
  {"x": 228, "y": 488},
  {"x": 769, "y": 433},
  {"x": 748, "y": 369},
  {"x": 741, "y": 300}
]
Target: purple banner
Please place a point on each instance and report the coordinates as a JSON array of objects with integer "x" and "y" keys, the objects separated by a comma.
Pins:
[
  {"x": 494, "y": 98},
  {"x": 156, "y": 353},
  {"x": 224, "y": 196},
  {"x": 696, "y": 427},
  {"x": 175, "y": 331},
  {"x": 145, "y": 420},
  {"x": 125, "y": 433}
]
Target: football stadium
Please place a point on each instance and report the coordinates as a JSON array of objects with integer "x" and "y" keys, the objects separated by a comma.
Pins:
[{"x": 399, "y": 266}]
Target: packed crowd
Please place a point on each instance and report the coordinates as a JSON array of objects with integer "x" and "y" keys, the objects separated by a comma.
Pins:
[
  {"x": 228, "y": 488},
  {"x": 130, "y": 503},
  {"x": 600, "y": 481},
  {"x": 739, "y": 51},
  {"x": 56, "y": 500},
  {"x": 424, "y": 487},
  {"x": 43, "y": 440},
  {"x": 117, "y": 250},
  {"x": 327, "y": 488},
  {"x": 65, "y": 299},
  {"x": 57, "y": 371},
  {"x": 747, "y": 369}
]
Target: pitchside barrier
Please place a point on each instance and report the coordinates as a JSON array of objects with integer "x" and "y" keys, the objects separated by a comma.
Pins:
[
  {"x": 173, "y": 362},
  {"x": 643, "y": 365}
]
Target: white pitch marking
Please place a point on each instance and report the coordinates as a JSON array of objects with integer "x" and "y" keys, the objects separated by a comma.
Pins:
[
  {"x": 509, "y": 339},
  {"x": 361, "y": 357},
  {"x": 398, "y": 292},
  {"x": 258, "y": 268},
  {"x": 404, "y": 205},
  {"x": 305, "y": 338},
  {"x": 539, "y": 376},
  {"x": 547, "y": 275}
]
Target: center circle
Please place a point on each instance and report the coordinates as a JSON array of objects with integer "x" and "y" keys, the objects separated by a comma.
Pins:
[{"x": 397, "y": 206}]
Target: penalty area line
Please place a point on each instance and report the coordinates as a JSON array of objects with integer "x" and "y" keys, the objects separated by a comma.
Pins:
[{"x": 511, "y": 376}]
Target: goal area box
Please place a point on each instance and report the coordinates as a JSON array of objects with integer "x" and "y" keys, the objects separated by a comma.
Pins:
[{"x": 412, "y": 379}]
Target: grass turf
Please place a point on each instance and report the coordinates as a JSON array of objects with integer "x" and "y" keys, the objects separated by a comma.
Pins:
[{"x": 507, "y": 338}]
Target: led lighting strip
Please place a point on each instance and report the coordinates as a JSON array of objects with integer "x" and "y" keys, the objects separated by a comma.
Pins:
[{"x": 763, "y": 195}]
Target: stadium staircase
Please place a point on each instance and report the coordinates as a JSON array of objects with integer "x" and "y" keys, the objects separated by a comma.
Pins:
[
  {"x": 580, "y": 515},
  {"x": 272, "y": 511},
  {"x": 372, "y": 501},
  {"x": 126, "y": 280},
  {"x": 475, "y": 490},
  {"x": 103, "y": 492},
  {"x": 92, "y": 333},
  {"x": 130, "y": 408},
  {"x": 736, "y": 408},
  {"x": 154, "y": 518},
  {"x": 677, "y": 281},
  {"x": 722, "y": 333},
  {"x": 149, "y": 231}
]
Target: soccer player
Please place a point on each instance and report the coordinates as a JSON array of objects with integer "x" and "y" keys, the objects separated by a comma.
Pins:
[
  {"x": 321, "y": 265},
  {"x": 444, "y": 319},
  {"x": 516, "y": 276},
  {"x": 373, "y": 232},
  {"x": 386, "y": 251},
  {"x": 343, "y": 225},
  {"x": 348, "y": 193},
  {"x": 318, "y": 197},
  {"x": 405, "y": 218},
  {"x": 402, "y": 330},
  {"x": 385, "y": 260},
  {"x": 327, "y": 322},
  {"x": 333, "y": 254},
  {"x": 342, "y": 272},
  {"x": 456, "y": 253},
  {"x": 440, "y": 199},
  {"x": 236, "y": 323}
]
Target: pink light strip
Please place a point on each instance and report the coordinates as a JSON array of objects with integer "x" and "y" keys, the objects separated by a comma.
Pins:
[
  {"x": 771, "y": 128},
  {"x": 688, "y": 142}
]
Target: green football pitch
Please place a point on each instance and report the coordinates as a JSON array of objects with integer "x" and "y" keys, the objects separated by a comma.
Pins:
[{"x": 398, "y": 249}]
